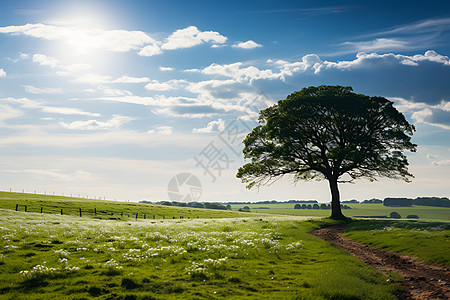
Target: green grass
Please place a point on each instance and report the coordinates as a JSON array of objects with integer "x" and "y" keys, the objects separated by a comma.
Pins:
[
  {"x": 45, "y": 256},
  {"x": 429, "y": 241},
  {"x": 110, "y": 210},
  {"x": 424, "y": 212}
]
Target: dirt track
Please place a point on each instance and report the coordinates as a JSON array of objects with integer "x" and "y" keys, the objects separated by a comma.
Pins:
[{"x": 420, "y": 280}]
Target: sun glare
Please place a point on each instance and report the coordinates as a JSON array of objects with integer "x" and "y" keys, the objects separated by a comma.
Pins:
[{"x": 86, "y": 29}]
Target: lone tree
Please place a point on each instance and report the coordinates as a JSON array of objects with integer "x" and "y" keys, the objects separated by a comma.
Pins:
[{"x": 328, "y": 132}]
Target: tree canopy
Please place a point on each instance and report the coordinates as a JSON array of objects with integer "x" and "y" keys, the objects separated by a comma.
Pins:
[{"x": 328, "y": 132}]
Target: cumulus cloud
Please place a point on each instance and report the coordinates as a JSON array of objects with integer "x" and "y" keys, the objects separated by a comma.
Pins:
[
  {"x": 114, "y": 123},
  {"x": 192, "y": 36},
  {"x": 37, "y": 90},
  {"x": 213, "y": 126},
  {"x": 247, "y": 45},
  {"x": 150, "y": 50},
  {"x": 2, "y": 73},
  {"x": 239, "y": 73},
  {"x": 435, "y": 115},
  {"x": 45, "y": 60},
  {"x": 161, "y": 68}
]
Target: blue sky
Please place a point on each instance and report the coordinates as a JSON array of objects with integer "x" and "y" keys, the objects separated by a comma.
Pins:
[{"x": 114, "y": 98}]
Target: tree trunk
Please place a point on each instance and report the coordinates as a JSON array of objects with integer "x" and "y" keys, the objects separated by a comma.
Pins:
[{"x": 336, "y": 212}]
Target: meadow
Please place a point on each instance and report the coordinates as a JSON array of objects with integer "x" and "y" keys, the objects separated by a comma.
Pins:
[
  {"x": 424, "y": 212},
  {"x": 101, "y": 209},
  {"x": 45, "y": 256},
  {"x": 188, "y": 253}
]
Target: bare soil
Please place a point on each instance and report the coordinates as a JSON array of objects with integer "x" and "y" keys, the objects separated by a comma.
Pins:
[{"x": 421, "y": 280}]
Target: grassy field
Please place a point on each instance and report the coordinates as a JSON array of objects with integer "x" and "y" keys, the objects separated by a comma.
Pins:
[
  {"x": 424, "y": 212},
  {"x": 44, "y": 256},
  {"x": 205, "y": 255},
  {"x": 429, "y": 241},
  {"x": 100, "y": 209}
]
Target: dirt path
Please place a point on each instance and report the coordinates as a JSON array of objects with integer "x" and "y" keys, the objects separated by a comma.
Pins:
[{"x": 420, "y": 280}]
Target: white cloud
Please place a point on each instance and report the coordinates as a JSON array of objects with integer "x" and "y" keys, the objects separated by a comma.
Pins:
[
  {"x": 309, "y": 62},
  {"x": 213, "y": 126},
  {"x": 312, "y": 62},
  {"x": 36, "y": 90},
  {"x": 442, "y": 163},
  {"x": 31, "y": 104},
  {"x": 67, "y": 111},
  {"x": 191, "y": 36},
  {"x": 174, "y": 84},
  {"x": 435, "y": 115},
  {"x": 363, "y": 59},
  {"x": 423, "y": 26},
  {"x": 128, "y": 79},
  {"x": 165, "y": 68},
  {"x": 164, "y": 130},
  {"x": 107, "y": 91},
  {"x": 8, "y": 112},
  {"x": 2, "y": 73},
  {"x": 150, "y": 50},
  {"x": 84, "y": 40},
  {"x": 239, "y": 73},
  {"x": 377, "y": 45},
  {"x": 247, "y": 45},
  {"x": 45, "y": 60},
  {"x": 432, "y": 156},
  {"x": 114, "y": 123}
]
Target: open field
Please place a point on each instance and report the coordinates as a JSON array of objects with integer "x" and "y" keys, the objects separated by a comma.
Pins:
[
  {"x": 100, "y": 209},
  {"x": 207, "y": 254},
  {"x": 424, "y": 212},
  {"x": 51, "y": 256}
]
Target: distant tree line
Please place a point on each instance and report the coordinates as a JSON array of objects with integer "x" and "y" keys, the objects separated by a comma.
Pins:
[
  {"x": 316, "y": 206},
  {"x": 420, "y": 201},
  {"x": 371, "y": 201},
  {"x": 273, "y": 202},
  {"x": 208, "y": 205}
]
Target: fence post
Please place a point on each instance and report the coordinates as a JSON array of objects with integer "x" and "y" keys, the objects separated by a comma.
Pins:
[
  {"x": 61, "y": 211},
  {"x": 41, "y": 209},
  {"x": 80, "y": 212},
  {"x": 136, "y": 215},
  {"x": 154, "y": 217},
  {"x": 17, "y": 207},
  {"x": 145, "y": 216},
  {"x": 95, "y": 211},
  {"x": 26, "y": 208}
]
